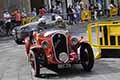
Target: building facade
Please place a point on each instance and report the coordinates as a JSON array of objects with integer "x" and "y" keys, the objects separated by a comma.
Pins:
[
  {"x": 28, "y": 5},
  {"x": 11, "y": 5}
]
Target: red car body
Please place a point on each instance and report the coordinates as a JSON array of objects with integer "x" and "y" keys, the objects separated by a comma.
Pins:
[{"x": 55, "y": 47}]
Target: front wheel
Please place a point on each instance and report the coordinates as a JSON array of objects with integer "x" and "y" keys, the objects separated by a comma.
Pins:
[
  {"x": 34, "y": 63},
  {"x": 86, "y": 56}
]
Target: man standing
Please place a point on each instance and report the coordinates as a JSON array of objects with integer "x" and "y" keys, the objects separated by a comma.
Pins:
[
  {"x": 99, "y": 2},
  {"x": 99, "y": 5},
  {"x": 18, "y": 17},
  {"x": 7, "y": 19},
  {"x": 82, "y": 4},
  {"x": 78, "y": 12},
  {"x": 34, "y": 12}
]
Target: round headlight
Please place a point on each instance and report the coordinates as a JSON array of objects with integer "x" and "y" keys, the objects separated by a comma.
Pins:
[
  {"x": 74, "y": 41},
  {"x": 45, "y": 44},
  {"x": 13, "y": 32},
  {"x": 63, "y": 57}
]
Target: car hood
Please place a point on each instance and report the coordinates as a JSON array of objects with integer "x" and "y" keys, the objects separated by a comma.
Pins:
[{"x": 47, "y": 33}]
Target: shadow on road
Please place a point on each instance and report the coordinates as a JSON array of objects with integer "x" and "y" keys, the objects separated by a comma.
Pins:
[{"x": 102, "y": 67}]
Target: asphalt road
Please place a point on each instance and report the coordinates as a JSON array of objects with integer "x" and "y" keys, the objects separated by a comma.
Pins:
[{"x": 14, "y": 65}]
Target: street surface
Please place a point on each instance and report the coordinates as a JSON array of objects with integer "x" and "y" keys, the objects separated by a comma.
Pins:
[{"x": 14, "y": 64}]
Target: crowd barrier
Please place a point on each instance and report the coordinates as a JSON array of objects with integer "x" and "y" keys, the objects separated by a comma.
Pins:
[
  {"x": 85, "y": 15},
  {"x": 113, "y": 11},
  {"x": 104, "y": 37}
]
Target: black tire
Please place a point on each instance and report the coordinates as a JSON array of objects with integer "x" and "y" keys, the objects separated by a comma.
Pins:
[
  {"x": 86, "y": 57},
  {"x": 18, "y": 41},
  {"x": 42, "y": 57},
  {"x": 34, "y": 63}
]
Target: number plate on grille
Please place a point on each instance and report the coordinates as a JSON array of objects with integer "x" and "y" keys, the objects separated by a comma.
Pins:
[{"x": 64, "y": 66}]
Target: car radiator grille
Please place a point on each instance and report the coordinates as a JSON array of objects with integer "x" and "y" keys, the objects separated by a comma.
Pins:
[{"x": 59, "y": 44}]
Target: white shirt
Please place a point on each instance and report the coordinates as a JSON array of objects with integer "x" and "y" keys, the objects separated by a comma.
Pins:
[
  {"x": 99, "y": 6},
  {"x": 110, "y": 6},
  {"x": 24, "y": 14},
  {"x": 82, "y": 4},
  {"x": 34, "y": 13},
  {"x": 7, "y": 17},
  {"x": 77, "y": 9}
]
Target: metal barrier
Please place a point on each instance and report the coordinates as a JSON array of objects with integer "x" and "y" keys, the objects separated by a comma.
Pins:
[
  {"x": 86, "y": 15},
  {"x": 105, "y": 38},
  {"x": 113, "y": 11}
]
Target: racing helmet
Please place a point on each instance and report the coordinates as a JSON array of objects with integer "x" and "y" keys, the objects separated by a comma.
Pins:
[{"x": 59, "y": 20}]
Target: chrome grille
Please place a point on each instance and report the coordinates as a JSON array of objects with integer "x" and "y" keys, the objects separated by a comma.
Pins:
[{"x": 59, "y": 44}]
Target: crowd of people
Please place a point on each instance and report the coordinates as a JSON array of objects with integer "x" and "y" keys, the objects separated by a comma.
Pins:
[
  {"x": 96, "y": 11},
  {"x": 10, "y": 20},
  {"x": 73, "y": 13}
]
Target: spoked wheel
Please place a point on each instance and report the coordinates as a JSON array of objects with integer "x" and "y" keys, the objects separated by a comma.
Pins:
[
  {"x": 34, "y": 63},
  {"x": 86, "y": 57}
]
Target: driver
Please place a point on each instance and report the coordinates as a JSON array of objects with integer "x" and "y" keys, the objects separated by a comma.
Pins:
[
  {"x": 60, "y": 23},
  {"x": 42, "y": 25}
]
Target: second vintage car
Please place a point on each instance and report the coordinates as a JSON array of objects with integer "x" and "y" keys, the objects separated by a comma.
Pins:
[
  {"x": 20, "y": 32},
  {"x": 57, "y": 48}
]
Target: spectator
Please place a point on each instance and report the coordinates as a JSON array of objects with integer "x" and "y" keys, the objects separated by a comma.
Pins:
[
  {"x": 109, "y": 7},
  {"x": 91, "y": 8},
  {"x": 99, "y": 3},
  {"x": 74, "y": 14},
  {"x": 70, "y": 14},
  {"x": 7, "y": 19},
  {"x": 58, "y": 10},
  {"x": 34, "y": 12},
  {"x": 24, "y": 13},
  {"x": 53, "y": 9},
  {"x": 96, "y": 12},
  {"x": 82, "y": 4},
  {"x": 99, "y": 8},
  {"x": 18, "y": 17},
  {"x": 78, "y": 12}
]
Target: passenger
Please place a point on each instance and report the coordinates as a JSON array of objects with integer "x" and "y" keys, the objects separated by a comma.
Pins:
[{"x": 42, "y": 12}]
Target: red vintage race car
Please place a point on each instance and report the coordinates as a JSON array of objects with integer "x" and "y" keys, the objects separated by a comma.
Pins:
[{"x": 57, "y": 48}]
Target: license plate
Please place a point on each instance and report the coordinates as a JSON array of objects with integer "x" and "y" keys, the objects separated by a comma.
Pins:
[{"x": 64, "y": 65}]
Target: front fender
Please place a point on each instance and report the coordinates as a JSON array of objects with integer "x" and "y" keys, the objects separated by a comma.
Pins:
[
  {"x": 79, "y": 44},
  {"x": 80, "y": 41},
  {"x": 27, "y": 44},
  {"x": 35, "y": 48}
]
